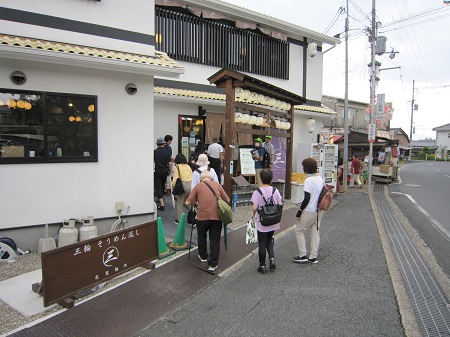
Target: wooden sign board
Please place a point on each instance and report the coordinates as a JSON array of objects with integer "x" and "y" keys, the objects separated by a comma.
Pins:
[
  {"x": 70, "y": 269},
  {"x": 247, "y": 164}
]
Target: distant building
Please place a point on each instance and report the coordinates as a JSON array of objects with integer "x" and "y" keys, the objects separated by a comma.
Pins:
[
  {"x": 443, "y": 137},
  {"x": 418, "y": 145}
]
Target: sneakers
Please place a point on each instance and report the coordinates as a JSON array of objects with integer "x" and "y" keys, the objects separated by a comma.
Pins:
[
  {"x": 211, "y": 268},
  {"x": 161, "y": 208},
  {"x": 262, "y": 269},
  {"x": 203, "y": 260},
  {"x": 272, "y": 265},
  {"x": 360, "y": 186},
  {"x": 314, "y": 261},
  {"x": 300, "y": 259},
  {"x": 176, "y": 222}
]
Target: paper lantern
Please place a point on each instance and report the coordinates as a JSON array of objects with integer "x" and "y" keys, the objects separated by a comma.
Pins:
[
  {"x": 259, "y": 121},
  {"x": 311, "y": 125},
  {"x": 238, "y": 117},
  {"x": 12, "y": 103},
  {"x": 20, "y": 104},
  {"x": 253, "y": 97},
  {"x": 245, "y": 118},
  {"x": 260, "y": 99},
  {"x": 246, "y": 94},
  {"x": 252, "y": 120},
  {"x": 238, "y": 92}
]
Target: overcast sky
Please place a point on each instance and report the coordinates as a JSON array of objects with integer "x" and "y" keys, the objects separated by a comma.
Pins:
[{"x": 417, "y": 29}]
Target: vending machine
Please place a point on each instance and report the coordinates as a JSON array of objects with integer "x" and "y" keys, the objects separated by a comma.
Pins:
[{"x": 326, "y": 156}]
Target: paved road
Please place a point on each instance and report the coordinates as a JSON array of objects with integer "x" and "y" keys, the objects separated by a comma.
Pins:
[
  {"x": 349, "y": 293},
  {"x": 424, "y": 198}
]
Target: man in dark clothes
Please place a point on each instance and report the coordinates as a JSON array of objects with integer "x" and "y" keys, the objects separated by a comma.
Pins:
[{"x": 163, "y": 165}]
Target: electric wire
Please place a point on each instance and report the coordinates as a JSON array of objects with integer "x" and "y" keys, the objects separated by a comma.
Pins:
[{"x": 339, "y": 12}]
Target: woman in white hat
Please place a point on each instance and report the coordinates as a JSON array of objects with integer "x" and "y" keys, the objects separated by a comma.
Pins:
[{"x": 203, "y": 163}]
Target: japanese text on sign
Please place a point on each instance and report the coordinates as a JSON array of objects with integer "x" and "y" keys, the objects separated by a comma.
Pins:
[{"x": 372, "y": 133}]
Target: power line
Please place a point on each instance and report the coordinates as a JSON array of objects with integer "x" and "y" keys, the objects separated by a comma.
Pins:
[
  {"x": 418, "y": 15},
  {"x": 339, "y": 12}
]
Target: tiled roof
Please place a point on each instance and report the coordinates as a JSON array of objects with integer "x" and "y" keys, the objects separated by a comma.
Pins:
[
  {"x": 189, "y": 93},
  {"x": 322, "y": 109},
  {"x": 222, "y": 97},
  {"x": 160, "y": 59},
  {"x": 445, "y": 127}
]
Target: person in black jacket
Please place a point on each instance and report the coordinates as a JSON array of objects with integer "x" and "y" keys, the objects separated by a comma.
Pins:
[{"x": 163, "y": 165}]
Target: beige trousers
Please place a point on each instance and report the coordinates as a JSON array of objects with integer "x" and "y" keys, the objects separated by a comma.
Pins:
[
  {"x": 258, "y": 181},
  {"x": 181, "y": 198},
  {"x": 353, "y": 178},
  {"x": 308, "y": 220}
]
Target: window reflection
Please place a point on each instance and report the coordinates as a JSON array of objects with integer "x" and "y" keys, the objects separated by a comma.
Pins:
[{"x": 47, "y": 127}]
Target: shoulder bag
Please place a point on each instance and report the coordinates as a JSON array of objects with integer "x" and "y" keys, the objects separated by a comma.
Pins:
[
  {"x": 225, "y": 212},
  {"x": 178, "y": 188}
]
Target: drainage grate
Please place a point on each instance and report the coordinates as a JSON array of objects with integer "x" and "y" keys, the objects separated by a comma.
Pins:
[{"x": 430, "y": 304}]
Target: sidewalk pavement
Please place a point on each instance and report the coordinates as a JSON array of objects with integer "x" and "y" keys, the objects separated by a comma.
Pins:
[{"x": 348, "y": 293}]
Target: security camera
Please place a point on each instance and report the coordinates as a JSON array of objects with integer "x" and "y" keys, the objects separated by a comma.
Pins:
[
  {"x": 131, "y": 88},
  {"x": 18, "y": 77}
]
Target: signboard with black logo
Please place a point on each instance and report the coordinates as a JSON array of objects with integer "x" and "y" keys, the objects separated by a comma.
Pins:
[{"x": 82, "y": 265}]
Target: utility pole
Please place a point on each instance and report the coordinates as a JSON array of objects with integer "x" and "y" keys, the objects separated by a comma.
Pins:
[
  {"x": 345, "y": 159},
  {"x": 411, "y": 128},
  {"x": 373, "y": 33}
]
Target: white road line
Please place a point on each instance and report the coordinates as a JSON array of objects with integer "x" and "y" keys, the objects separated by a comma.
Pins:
[
  {"x": 434, "y": 222},
  {"x": 412, "y": 185},
  {"x": 447, "y": 176}
]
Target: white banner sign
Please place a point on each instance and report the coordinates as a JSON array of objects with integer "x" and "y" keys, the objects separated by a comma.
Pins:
[
  {"x": 380, "y": 107},
  {"x": 372, "y": 132}
]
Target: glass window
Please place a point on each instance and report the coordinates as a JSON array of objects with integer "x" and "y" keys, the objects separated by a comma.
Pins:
[{"x": 47, "y": 127}]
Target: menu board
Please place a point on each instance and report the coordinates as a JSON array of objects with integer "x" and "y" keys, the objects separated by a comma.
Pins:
[{"x": 246, "y": 161}]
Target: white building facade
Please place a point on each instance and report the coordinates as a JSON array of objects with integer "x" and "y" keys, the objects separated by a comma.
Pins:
[
  {"x": 74, "y": 141},
  {"x": 442, "y": 139},
  {"x": 86, "y": 87}
]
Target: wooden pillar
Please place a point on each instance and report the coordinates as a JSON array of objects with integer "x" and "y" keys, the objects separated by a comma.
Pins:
[
  {"x": 229, "y": 132},
  {"x": 289, "y": 153}
]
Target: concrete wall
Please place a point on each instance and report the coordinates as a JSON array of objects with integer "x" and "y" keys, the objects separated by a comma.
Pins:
[
  {"x": 47, "y": 193},
  {"x": 117, "y": 14}
]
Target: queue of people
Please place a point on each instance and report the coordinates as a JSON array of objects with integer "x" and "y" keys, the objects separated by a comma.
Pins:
[{"x": 201, "y": 185}]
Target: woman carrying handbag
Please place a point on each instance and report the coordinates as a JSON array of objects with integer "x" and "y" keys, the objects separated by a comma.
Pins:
[{"x": 183, "y": 171}]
